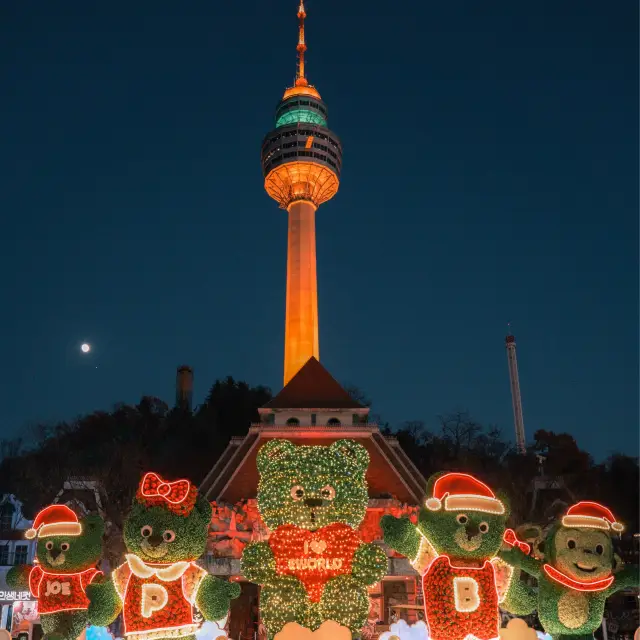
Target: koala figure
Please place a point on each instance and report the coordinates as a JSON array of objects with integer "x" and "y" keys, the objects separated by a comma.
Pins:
[
  {"x": 68, "y": 550},
  {"x": 315, "y": 566},
  {"x": 578, "y": 573}
]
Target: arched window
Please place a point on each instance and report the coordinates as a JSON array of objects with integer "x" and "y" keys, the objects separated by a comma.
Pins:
[
  {"x": 333, "y": 422},
  {"x": 293, "y": 422}
]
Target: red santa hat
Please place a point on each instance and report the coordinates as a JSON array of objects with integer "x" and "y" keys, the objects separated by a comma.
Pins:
[
  {"x": 460, "y": 491},
  {"x": 55, "y": 520},
  {"x": 591, "y": 514}
]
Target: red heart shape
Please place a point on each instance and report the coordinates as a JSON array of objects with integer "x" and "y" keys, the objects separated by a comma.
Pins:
[{"x": 314, "y": 556}]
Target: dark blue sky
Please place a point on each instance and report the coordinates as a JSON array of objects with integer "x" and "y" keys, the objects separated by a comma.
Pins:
[{"x": 490, "y": 175}]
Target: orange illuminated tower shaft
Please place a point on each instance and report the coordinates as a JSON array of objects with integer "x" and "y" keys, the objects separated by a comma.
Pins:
[
  {"x": 301, "y": 162},
  {"x": 301, "y": 321}
]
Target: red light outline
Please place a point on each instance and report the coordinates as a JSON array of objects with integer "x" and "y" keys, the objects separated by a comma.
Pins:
[
  {"x": 576, "y": 585},
  {"x": 164, "y": 483}
]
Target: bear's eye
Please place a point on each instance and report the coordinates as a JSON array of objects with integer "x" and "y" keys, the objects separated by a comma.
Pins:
[
  {"x": 328, "y": 492},
  {"x": 65, "y": 546},
  {"x": 462, "y": 518},
  {"x": 484, "y": 527},
  {"x": 297, "y": 492},
  {"x": 571, "y": 543},
  {"x": 49, "y": 545},
  {"x": 169, "y": 536},
  {"x": 146, "y": 531},
  {"x": 599, "y": 549}
]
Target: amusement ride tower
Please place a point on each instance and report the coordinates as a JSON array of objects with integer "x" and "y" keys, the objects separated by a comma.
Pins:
[
  {"x": 301, "y": 162},
  {"x": 516, "y": 399}
]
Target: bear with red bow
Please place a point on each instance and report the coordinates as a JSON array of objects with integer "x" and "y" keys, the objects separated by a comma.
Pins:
[
  {"x": 314, "y": 567},
  {"x": 159, "y": 585}
]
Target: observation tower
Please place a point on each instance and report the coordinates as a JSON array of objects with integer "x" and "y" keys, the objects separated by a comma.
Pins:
[{"x": 301, "y": 162}]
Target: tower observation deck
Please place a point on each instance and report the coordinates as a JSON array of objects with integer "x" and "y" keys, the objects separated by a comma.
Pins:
[{"x": 301, "y": 163}]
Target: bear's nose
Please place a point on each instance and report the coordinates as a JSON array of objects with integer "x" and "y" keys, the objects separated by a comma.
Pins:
[
  {"x": 587, "y": 551},
  {"x": 472, "y": 530},
  {"x": 54, "y": 553},
  {"x": 155, "y": 540},
  {"x": 314, "y": 502}
]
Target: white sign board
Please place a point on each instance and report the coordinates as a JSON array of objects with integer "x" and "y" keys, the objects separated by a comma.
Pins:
[{"x": 14, "y": 596}]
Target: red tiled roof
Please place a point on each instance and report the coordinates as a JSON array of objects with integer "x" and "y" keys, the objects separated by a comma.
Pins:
[
  {"x": 384, "y": 475},
  {"x": 313, "y": 387}
]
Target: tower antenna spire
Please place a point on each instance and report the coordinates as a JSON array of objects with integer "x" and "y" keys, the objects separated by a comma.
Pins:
[{"x": 301, "y": 80}]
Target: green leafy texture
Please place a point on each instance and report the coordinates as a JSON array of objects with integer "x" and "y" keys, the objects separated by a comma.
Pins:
[
  {"x": 580, "y": 553},
  {"x": 285, "y": 600},
  {"x": 105, "y": 605},
  {"x": 333, "y": 478},
  {"x": 157, "y": 535},
  {"x": 65, "y": 625},
  {"x": 369, "y": 564},
  {"x": 345, "y": 601},
  {"x": 401, "y": 535},
  {"x": 18, "y": 576},
  {"x": 65, "y": 554},
  {"x": 341, "y": 466},
  {"x": 190, "y": 532},
  {"x": 214, "y": 595},
  {"x": 462, "y": 535},
  {"x": 258, "y": 564},
  {"x": 72, "y": 554},
  {"x": 521, "y": 599}
]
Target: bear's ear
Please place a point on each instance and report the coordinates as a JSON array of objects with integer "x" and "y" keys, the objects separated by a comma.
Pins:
[
  {"x": 352, "y": 451},
  {"x": 93, "y": 525},
  {"x": 203, "y": 507},
  {"x": 273, "y": 453}
]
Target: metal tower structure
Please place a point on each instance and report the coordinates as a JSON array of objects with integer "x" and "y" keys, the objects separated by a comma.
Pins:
[
  {"x": 516, "y": 399},
  {"x": 301, "y": 162}
]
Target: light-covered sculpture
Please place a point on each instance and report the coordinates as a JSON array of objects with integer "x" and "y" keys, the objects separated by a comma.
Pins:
[
  {"x": 314, "y": 567},
  {"x": 159, "y": 584}
]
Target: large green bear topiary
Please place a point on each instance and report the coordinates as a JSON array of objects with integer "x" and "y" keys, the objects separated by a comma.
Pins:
[
  {"x": 578, "y": 572},
  {"x": 159, "y": 584},
  {"x": 67, "y": 552},
  {"x": 454, "y": 547},
  {"x": 314, "y": 567}
]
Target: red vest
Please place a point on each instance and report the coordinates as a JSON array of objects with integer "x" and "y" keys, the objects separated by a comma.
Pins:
[
  {"x": 459, "y": 601},
  {"x": 158, "y": 598},
  {"x": 58, "y": 592}
]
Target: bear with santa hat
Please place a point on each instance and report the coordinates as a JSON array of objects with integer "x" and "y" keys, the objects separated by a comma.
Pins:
[
  {"x": 454, "y": 547},
  {"x": 68, "y": 550}
]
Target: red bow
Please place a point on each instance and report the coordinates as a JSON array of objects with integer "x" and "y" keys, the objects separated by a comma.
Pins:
[
  {"x": 178, "y": 496},
  {"x": 512, "y": 540}
]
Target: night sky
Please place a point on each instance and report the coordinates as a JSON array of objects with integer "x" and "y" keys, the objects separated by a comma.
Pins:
[{"x": 490, "y": 176}]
